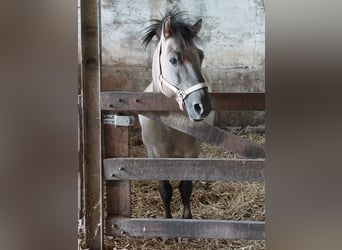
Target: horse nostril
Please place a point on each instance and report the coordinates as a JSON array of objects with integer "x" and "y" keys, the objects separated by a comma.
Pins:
[{"x": 198, "y": 108}]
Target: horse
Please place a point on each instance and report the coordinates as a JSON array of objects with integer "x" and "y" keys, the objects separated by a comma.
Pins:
[{"x": 176, "y": 73}]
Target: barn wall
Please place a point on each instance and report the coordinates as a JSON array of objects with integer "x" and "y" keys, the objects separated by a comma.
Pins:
[{"x": 232, "y": 37}]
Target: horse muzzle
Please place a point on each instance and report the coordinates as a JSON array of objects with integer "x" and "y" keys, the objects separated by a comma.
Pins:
[{"x": 198, "y": 104}]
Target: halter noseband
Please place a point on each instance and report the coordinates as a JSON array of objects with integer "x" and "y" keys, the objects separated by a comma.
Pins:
[{"x": 180, "y": 94}]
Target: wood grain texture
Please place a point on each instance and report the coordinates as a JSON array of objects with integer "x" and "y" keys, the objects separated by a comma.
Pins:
[
  {"x": 136, "y": 101},
  {"x": 187, "y": 228},
  {"x": 209, "y": 134},
  {"x": 92, "y": 172},
  {"x": 118, "y": 191},
  {"x": 184, "y": 169}
]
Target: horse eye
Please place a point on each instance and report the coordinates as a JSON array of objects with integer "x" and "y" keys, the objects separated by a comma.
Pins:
[{"x": 173, "y": 61}]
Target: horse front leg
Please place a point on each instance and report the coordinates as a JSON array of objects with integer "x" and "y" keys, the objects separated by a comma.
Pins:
[
  {"x": 185, "y": 188},
  {"x": 165, "y": 190}
]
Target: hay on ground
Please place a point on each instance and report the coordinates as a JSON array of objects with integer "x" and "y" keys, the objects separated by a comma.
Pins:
[{"x": 210, "y": 200}]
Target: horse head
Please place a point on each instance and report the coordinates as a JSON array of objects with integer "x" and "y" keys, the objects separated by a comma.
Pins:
[{"x": 176, "y": 67}]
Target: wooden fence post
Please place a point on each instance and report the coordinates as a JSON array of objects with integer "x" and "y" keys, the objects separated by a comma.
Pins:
[
  {"x": 92, "y": 172},
  {"x": 118, "y": 193}
]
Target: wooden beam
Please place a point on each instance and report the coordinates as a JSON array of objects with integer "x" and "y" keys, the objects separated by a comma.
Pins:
[
  {"x": 187, "y": 228},
  {"x": 136, "y": 101},
  {"x": 209, "y": 134},
  {"x": 92, "y": 173},
  {"x": 184, "y": 169},
  {"x": 118, "y": 192}
]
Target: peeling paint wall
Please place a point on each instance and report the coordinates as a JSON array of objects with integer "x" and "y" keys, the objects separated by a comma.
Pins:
[{"x": 232, "y": 37}]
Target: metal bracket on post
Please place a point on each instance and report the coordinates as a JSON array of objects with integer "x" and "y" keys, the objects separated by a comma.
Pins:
[{"x": 119, "y": 120}]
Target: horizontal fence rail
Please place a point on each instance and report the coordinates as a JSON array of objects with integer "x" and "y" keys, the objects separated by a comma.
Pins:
[
  {"x": 140, "y": 101},
  {"x": 209, "y": 134},
  {"x": 166, "y": 110},
  {"x": 186, "y": 228},
  {"x": 184, "y": 169}
]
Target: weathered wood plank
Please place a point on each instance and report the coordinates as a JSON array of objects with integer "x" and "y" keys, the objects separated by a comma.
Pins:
[
  {"x": 209, "y": 134},
  {"x": 184, "y": 169},
  {"x": 187, "y": 228},
  {"x": 118, "y": 191},
  {"x": 92, "y": 172},
  {"x": 136, "y": 101}
]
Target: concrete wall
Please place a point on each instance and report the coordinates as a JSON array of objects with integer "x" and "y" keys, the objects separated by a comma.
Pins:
[{"x": 233, "y": 40}]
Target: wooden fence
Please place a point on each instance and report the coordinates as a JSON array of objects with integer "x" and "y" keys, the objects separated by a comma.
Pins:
[
  {"x": 118, "y": 169},
  {"x": 104, "y": 154}
]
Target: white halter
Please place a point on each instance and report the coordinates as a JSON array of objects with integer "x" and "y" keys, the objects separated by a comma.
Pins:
[{"x": 180, "y": 94}]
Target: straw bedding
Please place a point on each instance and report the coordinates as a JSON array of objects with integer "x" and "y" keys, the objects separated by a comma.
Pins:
[{"x": 210, "y": 200}]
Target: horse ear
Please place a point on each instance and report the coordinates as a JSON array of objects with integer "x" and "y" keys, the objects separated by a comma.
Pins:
[
  {"x": 167, "y": 30},
  {"x": 197, "y": 27}
]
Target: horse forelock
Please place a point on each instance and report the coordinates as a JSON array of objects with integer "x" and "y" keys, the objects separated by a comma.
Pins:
[{"x": 182, "y": 28}]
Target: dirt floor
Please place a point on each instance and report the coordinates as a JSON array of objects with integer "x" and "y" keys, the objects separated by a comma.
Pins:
[{"x": 210, "y": 200}]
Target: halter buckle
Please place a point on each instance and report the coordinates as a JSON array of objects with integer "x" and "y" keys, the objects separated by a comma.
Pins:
[{"x": 181, "y": 94}]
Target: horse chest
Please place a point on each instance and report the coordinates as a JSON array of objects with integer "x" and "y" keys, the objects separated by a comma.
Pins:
[{"x": 162, "y": 141}]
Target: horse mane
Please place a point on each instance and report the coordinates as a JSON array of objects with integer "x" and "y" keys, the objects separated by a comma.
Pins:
[{"x": 180, "y": 25}]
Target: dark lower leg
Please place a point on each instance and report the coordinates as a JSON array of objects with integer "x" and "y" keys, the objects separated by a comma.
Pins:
[
  {"x": 185, "y": 188},
  {"x": 165, "y": 190}
]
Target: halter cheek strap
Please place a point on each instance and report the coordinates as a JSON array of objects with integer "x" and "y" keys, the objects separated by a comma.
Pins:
[{"x": 179, "y": 93}]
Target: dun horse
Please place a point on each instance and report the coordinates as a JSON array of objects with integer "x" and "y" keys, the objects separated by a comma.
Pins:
[{"x": 176, "y": 73}]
